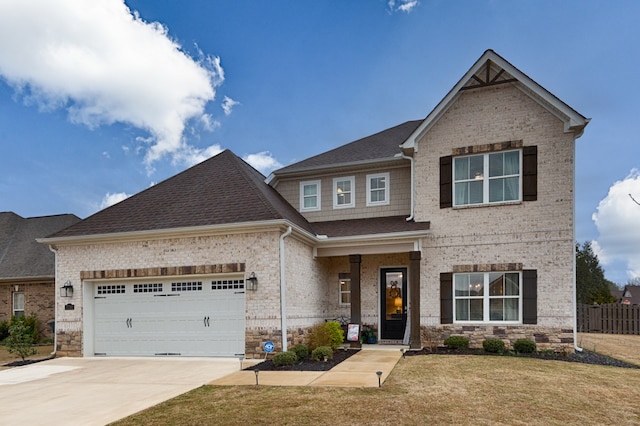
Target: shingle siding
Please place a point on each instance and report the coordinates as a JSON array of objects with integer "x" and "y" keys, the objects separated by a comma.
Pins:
[{"x": 399, "y": 195}]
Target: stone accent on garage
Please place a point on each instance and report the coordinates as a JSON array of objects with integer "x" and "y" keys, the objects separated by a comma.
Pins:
[{"x": 69, "y": 343}]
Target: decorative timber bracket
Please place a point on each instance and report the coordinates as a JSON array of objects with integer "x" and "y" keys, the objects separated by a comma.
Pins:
[{"x": 487, "y": 76}]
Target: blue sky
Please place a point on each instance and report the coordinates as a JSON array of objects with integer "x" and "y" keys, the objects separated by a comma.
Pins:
[{"x": 99, "y": 100}]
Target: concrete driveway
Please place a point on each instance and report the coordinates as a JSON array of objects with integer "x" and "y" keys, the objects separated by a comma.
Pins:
[{"x": 96, "y": 391}]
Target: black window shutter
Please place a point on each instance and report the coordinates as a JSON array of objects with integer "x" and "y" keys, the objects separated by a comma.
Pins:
[
  {"x": 530, "y": 173},
  {"x": 529, "y": 296},
  {"x": 446, "y": 298},
  {"x": 446, "y": 189}
]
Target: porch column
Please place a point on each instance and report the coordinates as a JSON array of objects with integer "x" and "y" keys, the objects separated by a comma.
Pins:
[
  {"x": 354, "y": 261},
  {"x": 414, "y": 299}
]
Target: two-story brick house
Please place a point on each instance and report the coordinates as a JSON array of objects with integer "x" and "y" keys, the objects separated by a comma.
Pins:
[{"x": 461, "y": 223}]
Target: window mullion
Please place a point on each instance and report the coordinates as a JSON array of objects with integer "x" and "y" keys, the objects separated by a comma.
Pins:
[
  {"x": 485, "y": 182},
  {"x": 485, "y": 299}
]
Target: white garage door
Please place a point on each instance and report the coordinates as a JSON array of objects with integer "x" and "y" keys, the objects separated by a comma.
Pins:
[{"x": 179, "y": 317}]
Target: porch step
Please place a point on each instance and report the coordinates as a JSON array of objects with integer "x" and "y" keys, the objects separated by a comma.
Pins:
[{"x": 389, "y": 342}]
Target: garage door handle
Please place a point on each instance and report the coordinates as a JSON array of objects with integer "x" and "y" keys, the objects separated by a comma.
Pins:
[
  {"x": 129, "y": 323},
  {"x": 206, "y": 321}
]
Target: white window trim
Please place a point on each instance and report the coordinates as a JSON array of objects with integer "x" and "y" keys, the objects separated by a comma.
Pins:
[
  {"x": 340, "y": 292},
  {"x": 386, "y": 189},
  {"x": 352, "y": 204},
  {"x": 486, "y": 298},
  {"x": 318, "y": 188},
  {"x": 485, "y": 180},
  {"x": 13, "y": 302}
]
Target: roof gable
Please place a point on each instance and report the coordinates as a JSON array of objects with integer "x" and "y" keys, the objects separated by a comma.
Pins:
[
  {"x": 222, "y": 190},
  {"x": 20, "y": 254},
  {"x": 489, "y": 70},
  {"x": 381, "y": 146}
]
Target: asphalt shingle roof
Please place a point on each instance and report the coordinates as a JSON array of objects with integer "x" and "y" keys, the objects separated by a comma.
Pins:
[
  {"x": 221, "y": 190},
  {"x": 380, "y": 146},
  {"x": 21, "y": 256},
  {"x": 368, "y": 226}
]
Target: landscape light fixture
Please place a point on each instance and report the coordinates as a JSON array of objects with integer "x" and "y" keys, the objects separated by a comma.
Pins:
[{"x": 379, "y": 374}]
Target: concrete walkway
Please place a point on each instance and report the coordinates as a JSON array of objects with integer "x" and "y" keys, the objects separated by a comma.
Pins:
[{"x": 358, "y": 370}]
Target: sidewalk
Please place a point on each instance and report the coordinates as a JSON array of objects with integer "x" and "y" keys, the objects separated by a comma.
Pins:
[{"x": 358, "y": 370}]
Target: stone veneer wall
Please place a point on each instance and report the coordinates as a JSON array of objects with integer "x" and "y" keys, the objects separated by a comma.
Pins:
[{"x": 556, "y": 339}]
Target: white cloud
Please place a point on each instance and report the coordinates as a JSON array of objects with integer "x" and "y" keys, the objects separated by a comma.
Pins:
[
  {"x": 406, "y": 6},
  {"x": 262, "y": 161},
  {"x": 228, "y": 104},
  {"x": 111, "y": 199},
  {"x": 617, "y": 219},
  {"x": 104, "y": 65},
  {"x": 190, "y": 156}
]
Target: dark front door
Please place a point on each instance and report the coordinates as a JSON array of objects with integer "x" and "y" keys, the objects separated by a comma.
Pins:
[{"x": 393, "y": 303}]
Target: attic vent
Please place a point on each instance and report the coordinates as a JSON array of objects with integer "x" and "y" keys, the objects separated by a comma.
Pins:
[
  {"x": 111, "y": 289},
  {"x": 227, "y": 285},
  {"x": 187, "y": 286}
]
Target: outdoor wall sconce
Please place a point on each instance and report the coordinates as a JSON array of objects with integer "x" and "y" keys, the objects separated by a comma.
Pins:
[
  {"x": 252, "y": 282},
  {"x": 66, "y": 290}
]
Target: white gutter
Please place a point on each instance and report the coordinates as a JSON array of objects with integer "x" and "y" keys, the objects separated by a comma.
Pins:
[
  {"x": 55, "y": 303},
  {"x": 283, "y": 290},
  {"x": 412, "y": 160}
]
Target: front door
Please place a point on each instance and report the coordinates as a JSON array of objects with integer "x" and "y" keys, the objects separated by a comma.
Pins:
[{"x": 393, "y": 303}]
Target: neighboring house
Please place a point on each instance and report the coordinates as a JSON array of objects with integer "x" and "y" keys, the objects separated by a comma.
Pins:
[
  {"x": 460, "y": 223},
  {"x": 27, "y": 269},
  {"x": 630, "y": 295}
]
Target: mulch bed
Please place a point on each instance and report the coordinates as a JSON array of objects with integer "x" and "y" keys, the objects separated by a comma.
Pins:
[
  {"x": 25, "y": 362},
  {"x": 585, "y": 357},
  {"x": 307, "y": 365}
]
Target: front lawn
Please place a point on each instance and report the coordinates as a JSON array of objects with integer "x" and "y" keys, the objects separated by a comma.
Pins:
[
  {"x": 431, "y": 389},
  {"x": 44, "y": 351}
]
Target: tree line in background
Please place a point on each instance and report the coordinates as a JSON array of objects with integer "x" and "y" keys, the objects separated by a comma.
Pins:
[{"x": 591, "y": 285}]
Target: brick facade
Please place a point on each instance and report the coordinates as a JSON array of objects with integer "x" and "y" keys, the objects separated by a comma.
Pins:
[{"x": 39, "y": 300}]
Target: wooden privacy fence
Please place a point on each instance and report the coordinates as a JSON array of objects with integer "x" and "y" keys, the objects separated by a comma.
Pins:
[{"x": 614, "y": 318}]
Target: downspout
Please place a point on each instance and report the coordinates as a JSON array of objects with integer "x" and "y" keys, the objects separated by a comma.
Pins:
[
  {"x": 412, "y": 160},
  {"x": 283, "y": 290},
  {"x": 573, "y": 244},
  {"x": 55, "y": 303}
]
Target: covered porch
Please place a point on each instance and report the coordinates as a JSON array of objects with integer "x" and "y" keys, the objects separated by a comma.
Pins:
[{"x": 376, "y": 263}]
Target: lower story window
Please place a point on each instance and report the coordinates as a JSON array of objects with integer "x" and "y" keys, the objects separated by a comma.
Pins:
[
  {"x": 487, "y": 297},
  {"x": 18, "y": 304},
  {"x": 345, "y": 288}
]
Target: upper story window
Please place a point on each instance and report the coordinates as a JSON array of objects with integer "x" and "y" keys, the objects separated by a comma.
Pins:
[
  {"x": 487, "y": 178},
  {"x": 378, "y": 189},
  {"x": 487, "y": 297},
  {"x": 344, "y": 192},
  {"x": 310, "y": 195}
]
